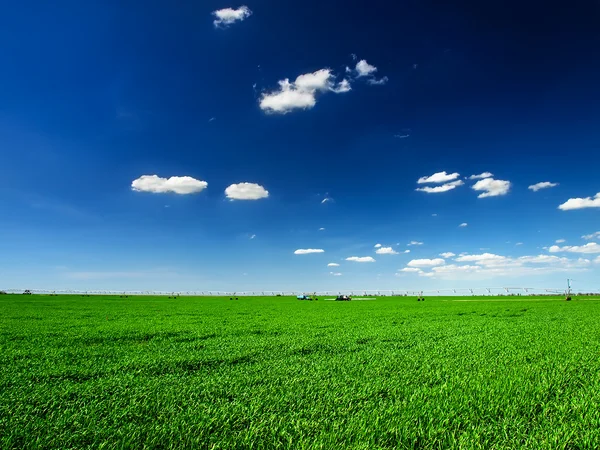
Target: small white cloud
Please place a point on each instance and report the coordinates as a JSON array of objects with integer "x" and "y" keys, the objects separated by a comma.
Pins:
[
  {"x": 322, "y": 229},
  {"x": 333, "y": 265},
  {"x": 463, "y": 225},
  {"x": 426, "y": 262},
  {"x": 364, "y": 69},
  {"x": 335, "y": 274},
  {"x": 386, "y": 251},
  {"x": 542, "y": 185},
  {"x": 228, "y": 16},
  {"x": 491, "y": 187},
  {"x": 406, "y": 251},
  {"x": 590, "y": 247},
  {"x": 597, "y": 260},
  {"x": 377, "y": 245},
  {"x": 301, "y": 94},
  {"x": 380, "y": 82},
  {"x": 561, "y": 241},
  {"x": 580, "y": 203},
  {"x": 481, "y": 176},
  {"x": 246, "y": 191},
  {"x": 588, "y": 237},
  {"x": 326, "y": 200},
  {"x": 212, "y": 119},
  {"x": 411, "y": 270},
  {"x": 519, "y": 243},
  {"x": 177, "y": 185},
  {"x": 443, "y": 188},
  {"x": 447, "y": 255},
  {"x": 252, "y": 236},
  {"x": 415, "y": 243},
  {"x": 439, "y": 177},
  {"x": 307, "y": 251},
  {"x": 360, "y": 259},
  {"x": 434, "y": 215}
]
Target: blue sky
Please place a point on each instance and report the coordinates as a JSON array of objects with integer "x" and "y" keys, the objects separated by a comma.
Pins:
[{"x": 270, "y": 108}]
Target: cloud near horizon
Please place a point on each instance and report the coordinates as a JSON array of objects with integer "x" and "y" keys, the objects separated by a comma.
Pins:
[{"x": 360, "y": 259}]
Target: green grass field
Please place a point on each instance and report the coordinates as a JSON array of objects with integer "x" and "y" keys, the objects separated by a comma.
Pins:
[{"x": 153, "y": 372}]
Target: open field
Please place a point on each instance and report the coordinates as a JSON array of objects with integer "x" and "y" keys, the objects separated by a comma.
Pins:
[{"x": 153, "y": 372}]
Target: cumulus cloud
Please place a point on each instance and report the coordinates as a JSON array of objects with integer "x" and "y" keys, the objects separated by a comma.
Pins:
[
  {"x": 542, "y": 185},
  {"x": 488, "y": 265},
  {"x": 177, "y": 185},
  {"x": 463, "y": 225},
  {"x": 580, "y": 203},
  {"x": 246, "y": 191},
  {"x": 406, "y": 251},
  {"x": 228, "y": 16},
  {"x": 491, "y": 187},
  {"x": 306, "y": 251},
  {"x": 447, "y": 255},
  {"x": 481, "y": 176},
  {"x": 301, "y": 93},
  {"x": 426, "y": 262},
  {"x": 588, "y": 237},
  {"x": 386, "y": 251},
  {"x": 333, "y": 265},
  {"x": 360, "y": 259},
  {"x": 443, "y": 188},
  {"x": 377, "y": 245},
  {"x": 411, "y": 270},
  {"x": 415, "y": 243},
  {"x": 590, "y": 247},
  {"x": 380, "y": 82},
  {"x": 439, "y": 177},
  {"x": 364, "y": 69}
]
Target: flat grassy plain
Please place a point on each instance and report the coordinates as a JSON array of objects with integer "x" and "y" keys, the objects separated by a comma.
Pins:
[{"x": 394, "y": 373}]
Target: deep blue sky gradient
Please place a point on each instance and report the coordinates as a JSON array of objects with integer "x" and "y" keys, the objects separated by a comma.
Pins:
[{"x": 95, "y": 94}]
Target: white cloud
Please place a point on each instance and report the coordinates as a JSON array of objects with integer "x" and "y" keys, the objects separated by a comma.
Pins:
[
  {"x": 590, "y": 247},
  {"x": 491, "y": 187},
  {"x": 335, "y": 274},
  {"x": 228, "y": 16},
  {"x": 246, "y": 191},
  {"x": 481, "y": 176},
  {"x": 588, "y": 237},
  {"x": 252, "y": 236},
  {"x": 580, "y": 203},
  {"x": 333, "y": 265},
  {"x": 447, "y": 255},
  {"x": 380, "y": 82},
  {"x": 426, "y": 262},
  {"x": 177, "y": 185},
  {"x": 322, "y": 229},
  {"x": 453, "y": 268},
  {"x": 463, "y": 225},
  {"x": 326, "y": 200},
  {"x": 411, "y": 270},
  {"x": 377, "y": 245},
  {"x": 439, "y": 177},
  {"x": 519, "y": 243},
  {"x": 361, "y": 259},
  {"x": 406, "y": 251},
  {"x": 415, "y": 243},
  {"x": 301, "y": 94},
  {"x": 306, "y": 251},
  {"x": 386, "y": 251},
  {"x": 597, "y": 260},
  {"x": 443, "y": 188},
  {"x": 364, "y": 69},
  {"x": 486, "y": 259},
  {"x": 542, "y": 185},
  {"x": 561, "y": 241}
]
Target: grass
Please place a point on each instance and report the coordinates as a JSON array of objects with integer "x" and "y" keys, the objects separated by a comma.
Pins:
[{"x": 153, "y": 372}]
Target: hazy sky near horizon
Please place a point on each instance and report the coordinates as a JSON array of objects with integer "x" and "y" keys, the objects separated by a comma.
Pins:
[{"x": 269, "y": 145}]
